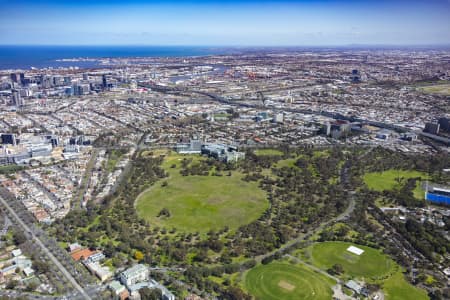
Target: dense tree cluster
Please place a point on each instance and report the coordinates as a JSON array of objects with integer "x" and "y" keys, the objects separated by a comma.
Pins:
[
  {"x": 19, "y": 237},
  {"x": 424, "y": 238},
  {"x": 150, "y": 294}
]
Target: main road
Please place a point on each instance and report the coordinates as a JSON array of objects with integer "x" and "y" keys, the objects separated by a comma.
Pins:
[{"x": 44, "y": 248}]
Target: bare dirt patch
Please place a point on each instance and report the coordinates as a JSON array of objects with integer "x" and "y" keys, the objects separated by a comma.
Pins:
[{"x": 286, "y": 285}]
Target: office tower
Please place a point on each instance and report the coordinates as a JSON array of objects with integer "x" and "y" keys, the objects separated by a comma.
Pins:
[
  {"x": 355, "y": 77},
  {"x": 444, "y": 124},
  {"x": 17, "y": 77},
  {"x": 57, "y": 80},
  {"x": 67, "y": 80},
  {"x": 22, "y": 78},
  {"x": 105, "y": 81},
  {"x": 15, "y": 98},
  {"x": 8, "y": 138},
  {"x": 432, "y": 128}
]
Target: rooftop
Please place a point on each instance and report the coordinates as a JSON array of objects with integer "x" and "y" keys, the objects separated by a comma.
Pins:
[{"x": 81, "y": 253}]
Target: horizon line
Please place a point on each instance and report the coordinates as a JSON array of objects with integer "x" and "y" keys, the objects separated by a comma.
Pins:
[{"x": 233, "y": 45}]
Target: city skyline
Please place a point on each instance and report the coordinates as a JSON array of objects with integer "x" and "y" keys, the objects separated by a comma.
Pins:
[{"x": 225, "y": 23}]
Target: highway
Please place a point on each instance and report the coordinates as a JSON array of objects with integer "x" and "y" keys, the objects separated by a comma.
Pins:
[
  {"x": 218, "y": 98},
  {"x": 44, "y": 248}
]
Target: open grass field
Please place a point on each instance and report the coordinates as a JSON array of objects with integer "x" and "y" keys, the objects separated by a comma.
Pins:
[
  {"x": 387, "y": 180},
  {"x": 281, "y": 281},
  {"x": 370, "y": 264},
  {"x": 8, "y": 169},
  {"x": 441, "y": 89},
  {"x": 397, "y": 288},
  {"x": 201, "y": 203},
  {"x": 266, "y": 152},
  {"x": 290, "y": 163}
]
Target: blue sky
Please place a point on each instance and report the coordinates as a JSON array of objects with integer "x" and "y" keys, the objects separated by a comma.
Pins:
[{"x": 232, "y": 23}]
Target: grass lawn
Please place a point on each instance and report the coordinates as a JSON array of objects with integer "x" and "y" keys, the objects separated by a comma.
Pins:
[
  {"x": 387, "y": 180},
  {"x": 321, "y": 153},
  {"x": 8, "y": 169},
  {"x": 267, "y": 152},
  {"x": 397, "y": 288},
  {"x": 441, "y": 89},
  {"x": 63, "y": 245},
  {"x": 281, "y": 281},
  {"x": 290, "y": 163},
  {"x": 222, "y": 115},
  {"x": 201, "y": 203},
  {"x": 370, "y": 264}
]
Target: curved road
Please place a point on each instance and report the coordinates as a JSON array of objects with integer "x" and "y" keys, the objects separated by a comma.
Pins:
[{"x": 344, "y": 215}]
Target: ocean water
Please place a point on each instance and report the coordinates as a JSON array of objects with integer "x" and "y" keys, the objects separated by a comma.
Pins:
[{"x": 25, "y": 57}]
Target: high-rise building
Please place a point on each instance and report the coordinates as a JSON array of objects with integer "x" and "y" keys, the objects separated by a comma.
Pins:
[
  {"x": 432, "y": 128},
  {"x": 444, "y": 124},
  {"x": 67, "y": 80},
  {"x": 81, "y": 89},
  {"x": 58, "y": 80},
  {"x": 105, "y": 81},
  {"x": 16, "y": 99},
  {"x": 46, "y": 81},
  {"x": 69, "y": 91},
  {"x": 17, "y": 77},
  {"x": 22, "y": 77},
  {"x": 355, "y": 77},
  {"x": 26, "y": 92},
  {"x": 51, "y": 139},
  {"x": 8, "y": 138}
]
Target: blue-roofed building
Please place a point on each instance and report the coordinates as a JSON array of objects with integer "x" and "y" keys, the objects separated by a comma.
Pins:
[{"x": 438, "y": 195}]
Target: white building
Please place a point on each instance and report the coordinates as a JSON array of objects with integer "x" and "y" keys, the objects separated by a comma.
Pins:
[
  {"x": 134, "y": 275},
  {"x": 355, "y": 250},
  {"x": 102, "y": 272},
  {"x": 99, "y": 256},
  {"x": 16, "y": 252},
  {"x": 278, "y": 118}
]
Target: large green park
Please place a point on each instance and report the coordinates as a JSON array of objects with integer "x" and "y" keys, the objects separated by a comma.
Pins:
[
  {"x": 288, "y": 282},
  {"x": 394, "y": 179},
  {"x": 372, "y": 266},
  {"x": 182, "y": 206},
  {"x": 200, "y": 203}
]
